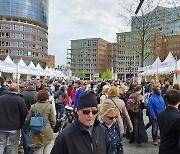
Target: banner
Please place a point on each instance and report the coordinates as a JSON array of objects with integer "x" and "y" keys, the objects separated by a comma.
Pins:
[{"x": 170, "y": 63}]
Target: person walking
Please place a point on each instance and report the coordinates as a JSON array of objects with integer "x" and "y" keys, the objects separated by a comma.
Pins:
[
  {"x": 59, "y": 97},
  {"x": 79, "y": 91},
  {"x": 30, "y": 97},
  {"x": 85, "y": 135},
  {"x": 139, "y": 134},
  {"x": 13, "y": 112},
  {"x": 155, "y": 105},
  {"x": 42, "y": 142},
  {"x": 109, "y": 114},
  {"x": 169, "y": 125},
  {"x": 113, "y": 96}
]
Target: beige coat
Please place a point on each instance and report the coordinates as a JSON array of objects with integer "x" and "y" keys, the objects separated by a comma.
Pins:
[
  {"x": 121, "y": 105},
  {"x": 45, "y": 137}
]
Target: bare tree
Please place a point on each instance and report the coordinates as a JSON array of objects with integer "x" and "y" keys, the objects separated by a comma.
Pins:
[{"x": 142, "y": 22}]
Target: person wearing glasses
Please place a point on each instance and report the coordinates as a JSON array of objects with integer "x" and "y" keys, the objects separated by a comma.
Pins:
[
  {"x": 109, "y": 114},
  {"x": 85, "y": 135}
]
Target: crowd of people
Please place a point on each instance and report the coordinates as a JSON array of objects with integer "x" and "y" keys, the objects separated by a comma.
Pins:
[{"x": 106, "y": 111}]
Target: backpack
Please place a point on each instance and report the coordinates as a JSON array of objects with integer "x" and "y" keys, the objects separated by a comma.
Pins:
[
  {"x": 59, "y": 100},
  {"x": 132, "y": 104},
  {"x": 37, "y": 123}
]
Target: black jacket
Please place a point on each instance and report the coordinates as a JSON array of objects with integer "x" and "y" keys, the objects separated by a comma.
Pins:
[
  {"x": 75, "y": 140},
  {"x": 13, "y": 112},
  {"x": 169, "y": 124},
  {"x": 30, "y": 97}
]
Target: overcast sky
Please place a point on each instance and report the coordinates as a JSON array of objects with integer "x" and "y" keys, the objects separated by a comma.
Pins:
[{"x": 79, "y": 19}]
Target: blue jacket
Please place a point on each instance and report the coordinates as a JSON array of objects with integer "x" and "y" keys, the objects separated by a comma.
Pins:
[
  {"x": 78, "y": 92},
  {"x": 155, "y": 105},
  {"x": 3, "y": 90}
]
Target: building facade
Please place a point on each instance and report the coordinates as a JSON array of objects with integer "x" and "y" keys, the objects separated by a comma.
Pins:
[
  {"x": 166, "y": 44},
  {"x": 23, "y": 30},
  {"x": 167, "y": 20},
  {"x": 51, "y": 61},
  {"x": 90, "y": 56},
  {"x": 128, "y": 51}
]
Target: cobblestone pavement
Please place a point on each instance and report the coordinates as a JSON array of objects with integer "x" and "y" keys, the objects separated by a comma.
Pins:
[{"x": 144, "y": 148}]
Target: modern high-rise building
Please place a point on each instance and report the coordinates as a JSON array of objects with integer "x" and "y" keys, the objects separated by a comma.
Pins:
[
  {"x": 167, "y": 20},
  {"x": 23, "y": 30},
  {"x": 90, "y": 56}
]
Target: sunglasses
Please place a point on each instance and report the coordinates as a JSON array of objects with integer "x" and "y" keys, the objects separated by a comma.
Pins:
[
  {"x": 86, "y": 112},
  {"x": 111, "y": 118}
]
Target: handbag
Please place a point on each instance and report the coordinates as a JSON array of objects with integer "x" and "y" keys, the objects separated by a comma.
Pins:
[{"x": 115, "y": 105}]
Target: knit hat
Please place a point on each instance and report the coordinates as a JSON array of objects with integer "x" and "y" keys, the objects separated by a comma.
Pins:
[{"x": 87, "y": 99}]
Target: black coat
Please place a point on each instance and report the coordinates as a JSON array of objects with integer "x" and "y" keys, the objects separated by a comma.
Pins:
[
  {"x": 75, "y": 140},
  {"x": 30, "y": 97},
  {"x": 169, "y": 124},
  {"x": 13, "y": 112}
]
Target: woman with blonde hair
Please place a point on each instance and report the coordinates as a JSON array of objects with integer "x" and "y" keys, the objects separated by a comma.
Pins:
[
  {"x": 109, "y": 113},
  {"x": 113, "y": 94},
  {"x": 104, "y": 95}
]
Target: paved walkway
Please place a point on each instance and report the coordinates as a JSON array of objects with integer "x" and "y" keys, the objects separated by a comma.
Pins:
[{"x": 144, "y": 148}]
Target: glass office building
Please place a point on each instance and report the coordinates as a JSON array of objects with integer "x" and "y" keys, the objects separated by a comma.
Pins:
[{"x": 23, "y": 30}]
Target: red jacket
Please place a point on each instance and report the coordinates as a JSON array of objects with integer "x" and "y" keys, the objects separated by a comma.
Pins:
[
  {"x": 73, "y": 91},
  {"x": 66, "y": 100}
]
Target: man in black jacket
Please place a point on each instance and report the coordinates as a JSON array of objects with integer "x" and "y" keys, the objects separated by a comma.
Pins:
[
  {"x": 30, "y": 97},
  {"x": 13, "y": 112},
  {"x": 169, "y": 124},
  {"x": 86, "y": 135},
  {"x": 30, "y": 94}
]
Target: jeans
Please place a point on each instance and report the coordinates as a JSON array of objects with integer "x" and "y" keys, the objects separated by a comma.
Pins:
[
  {"x": 44, "y": 150},
  {"x": 25, "y": 140},
  {"x": 14, "y": 140},
  {"x": 59, "y": 112},
  {"x": 154, "y": 129}
]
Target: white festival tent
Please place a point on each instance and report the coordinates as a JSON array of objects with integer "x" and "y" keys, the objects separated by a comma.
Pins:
[
  {"x": 168, "y": 65},
  {"x": 41, "y": 72},
  {"x": 8, "y": 65},
  {"x": 47, "y": 71},
  {"x": 158, "y": 67},
  {"x": 152, "y": 69},
  {"x": 33, "y": 69},
  {"x": 22, "y": 68},
  {"x": 61, "y": 74}
]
